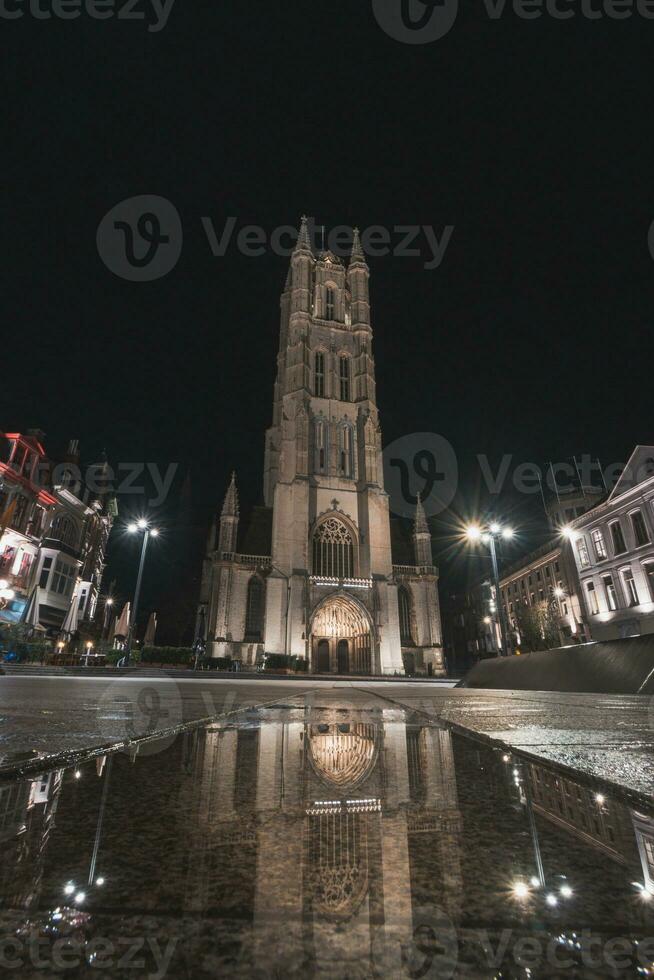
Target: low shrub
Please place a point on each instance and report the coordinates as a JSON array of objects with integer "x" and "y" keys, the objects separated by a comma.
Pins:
[{"x": 179, "y": 656}]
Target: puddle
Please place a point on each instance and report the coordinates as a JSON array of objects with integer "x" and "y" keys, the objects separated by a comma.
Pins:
[{"x": 321, "y": 842}]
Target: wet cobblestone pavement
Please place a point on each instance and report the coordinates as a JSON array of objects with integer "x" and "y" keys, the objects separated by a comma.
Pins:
[{"x": 334, "y": 834}]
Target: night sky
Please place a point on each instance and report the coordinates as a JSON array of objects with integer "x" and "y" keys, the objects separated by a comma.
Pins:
[{"x": 532, "y": 138}]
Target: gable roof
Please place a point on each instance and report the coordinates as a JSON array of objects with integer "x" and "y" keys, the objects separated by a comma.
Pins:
[{"x": 639, "y": 468}]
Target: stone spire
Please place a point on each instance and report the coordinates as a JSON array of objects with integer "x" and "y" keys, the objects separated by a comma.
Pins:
[
  {"x": 422, "y": 536},
  {"x": 357, "y": 256},
  {"x": 357, "y": 276},
  {"x": 229, "y": 520},
  {"x": 303, "y": 242}
]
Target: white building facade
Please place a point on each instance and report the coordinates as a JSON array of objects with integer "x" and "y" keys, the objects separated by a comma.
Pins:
[
  {"x": 613, "y": 546},
  {"x": 315, "y": 579}
]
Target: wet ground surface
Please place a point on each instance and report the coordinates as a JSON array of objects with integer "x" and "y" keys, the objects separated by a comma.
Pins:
[
  {"x": 339, "y": 836},
  {"x": 53, "y": 721}
]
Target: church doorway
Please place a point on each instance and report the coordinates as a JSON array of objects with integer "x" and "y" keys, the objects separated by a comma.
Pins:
[
  {"x": 341, "y": 638},
  {"x": 322, "y": 657},
  {"x": 343, "y": 657}
]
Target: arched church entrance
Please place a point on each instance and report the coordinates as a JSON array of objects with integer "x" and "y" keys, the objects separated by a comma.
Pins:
[{"x": 341, "y": 638}]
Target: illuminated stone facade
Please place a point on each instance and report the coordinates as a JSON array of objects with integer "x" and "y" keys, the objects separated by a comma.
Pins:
[{"x": 320, "y": 583}]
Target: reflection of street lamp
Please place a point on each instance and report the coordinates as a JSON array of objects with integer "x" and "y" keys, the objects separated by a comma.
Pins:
[
  {"x": 149, "y": 532},
  {"x": 488, "y": 536}
]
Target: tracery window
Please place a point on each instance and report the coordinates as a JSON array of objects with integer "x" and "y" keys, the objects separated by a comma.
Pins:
[
  {"x": 333, "y": 550},
  {"x": 254, "y": 610},
  {"x": 404, "y": 600}
]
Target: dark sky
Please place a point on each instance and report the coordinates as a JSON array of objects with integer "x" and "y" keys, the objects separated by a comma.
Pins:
[{"x": 532, "y": 138}]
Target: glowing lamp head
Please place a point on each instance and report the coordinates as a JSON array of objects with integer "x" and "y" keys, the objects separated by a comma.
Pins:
[
  {"x": 80, "y": 897},
  {"x": 69, "y": 888},
  {"x": 520, "y": 890},
  {"x": 495, "y": 528},
  {"x": 473, "y": 532},
  {"x": 566, "y": 532},
  {"x": 132, "y": 528},
  {"x": 508, "y": 533},
  {"x": 142, "y": 524},
  {"x": 110, "y": 601},
  {"x": 566, "y": 891},
  {"x": 559, "y": 592},
  {"x": 552, "y": 900},
  {"x": 487, "y": 620},
  {"x": 154, "y": 533},
  {"x": 600, "y": 799}
]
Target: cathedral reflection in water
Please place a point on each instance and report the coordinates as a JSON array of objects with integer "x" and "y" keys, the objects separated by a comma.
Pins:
[
  {"x": 325, "y": 840},
  {"x": 340, "y": 814}
]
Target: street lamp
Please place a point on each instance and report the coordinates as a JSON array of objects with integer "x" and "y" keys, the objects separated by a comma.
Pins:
[
  {"x": 488, "y": 536},
  {"x": 148, "y": 532}
]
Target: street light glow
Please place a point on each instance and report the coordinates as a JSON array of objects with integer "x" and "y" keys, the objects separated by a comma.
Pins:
[
  {"x": 495, "y": 528},
  {"x": 80, "y": 897},
  {"x": 473, "y": 532},
  {"x": 508, "y": 533},
  {"x": 142, "y": 524},
  {"x": 154, "y": 533},
  {"x": 520, "y": 890},
  {"x": 552, "y": 900},
  {"x": 69, "y": 888},
  {"x": 566, "y": 891},
  {"x": 132, "y": 528},
  {"x": 566, "y": 532}
]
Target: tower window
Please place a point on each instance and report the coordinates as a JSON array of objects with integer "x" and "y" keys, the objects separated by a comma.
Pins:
[
  {"x": 320, "y": 439},
  {"x": 344, "y": 374},
  {"x": 329, "y": 303},
  {"x": 254, "y": 611},
  {"x": 333, "y": 550},
  {"x": 319, "y": 375},
  {"x": 346, "y": 466}
]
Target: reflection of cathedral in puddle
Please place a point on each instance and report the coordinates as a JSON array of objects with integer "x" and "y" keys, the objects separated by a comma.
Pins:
[{"x": 338, "y": 826}]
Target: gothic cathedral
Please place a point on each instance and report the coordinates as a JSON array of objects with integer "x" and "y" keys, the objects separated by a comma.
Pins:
[{"x": 313, "y": 574}]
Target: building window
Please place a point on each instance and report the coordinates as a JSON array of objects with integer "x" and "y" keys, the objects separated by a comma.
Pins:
[
  {"x": 592, "y": 598},
  {"x": 344, "y": 376},
  {"x": 649, "y": 571},
  {"x": 630, "y": 587},
  {"x": 319, "y": 375},
  {"x": 599, "y": 544},
  {"x": 320, "y": 435},
  {"x": 329, "y": 303},
  {"x": 404, "y": 600},
  {"x": 333, "y": 550},
  {"x": 63, "y": 529},
  {"x": 619, "y": 546},
  {"x": 611, "y": 595},
  {"x": 346, "y": 451},
  {"x": 45, "y": 572},
  {"x": 63, "y": 578},
  {"x": 254, "y": 611},
  {"x": 582, "y": 552},
  {"x": 640, "y": 530}
]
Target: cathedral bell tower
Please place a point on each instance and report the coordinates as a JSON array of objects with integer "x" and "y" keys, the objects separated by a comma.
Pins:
[{"x": 330, "y": 594}]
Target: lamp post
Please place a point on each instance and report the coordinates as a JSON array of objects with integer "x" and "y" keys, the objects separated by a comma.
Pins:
[
  {"x": 488, "y": 536},
  {"x": 148, "y": 532}
]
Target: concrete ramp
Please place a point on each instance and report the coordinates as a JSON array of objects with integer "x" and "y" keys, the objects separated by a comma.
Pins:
[{"x": 612, "y": 667}]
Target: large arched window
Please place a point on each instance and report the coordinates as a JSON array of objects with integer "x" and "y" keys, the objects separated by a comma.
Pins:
[
  {"x": 333, "y": 550},
  {"x": 404, "y": 601},
  {"x": 320, "y": 445},
  {"x": 254, "y": 611},
  {"x": 319, "y": 374}
]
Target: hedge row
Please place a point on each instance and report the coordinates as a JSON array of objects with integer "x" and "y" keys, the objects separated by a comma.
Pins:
[{"x": 182, "y": 656}]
